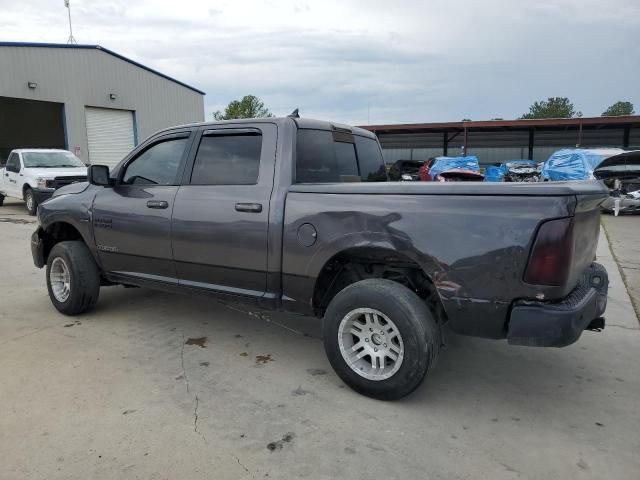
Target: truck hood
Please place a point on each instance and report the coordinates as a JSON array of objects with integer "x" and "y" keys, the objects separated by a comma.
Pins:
[
  {"x": 78, "y": 187},
  {"x": 55, "y": 172}
]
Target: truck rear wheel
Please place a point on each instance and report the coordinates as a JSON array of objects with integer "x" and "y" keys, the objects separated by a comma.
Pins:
[
  {"x": 380, "y": 338},
  {"x": 30, "y": 200},
  {"x": 73, "y": 278}
]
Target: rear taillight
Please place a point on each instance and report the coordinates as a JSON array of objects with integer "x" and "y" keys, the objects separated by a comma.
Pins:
[{"x": 551, "y": 254}]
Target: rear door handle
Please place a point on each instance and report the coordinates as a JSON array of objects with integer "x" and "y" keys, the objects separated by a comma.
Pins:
[
  {"x": 157, "y": 204},
  {"x": 249, "y": 207}
]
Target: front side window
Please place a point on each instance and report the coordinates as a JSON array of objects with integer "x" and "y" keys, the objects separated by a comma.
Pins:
[
  {"x": 13, "y": 164},
  {"x": 157, "y": 165},
  {"x": 228, "y": 159},
  {"x": 334, "y": 157}
]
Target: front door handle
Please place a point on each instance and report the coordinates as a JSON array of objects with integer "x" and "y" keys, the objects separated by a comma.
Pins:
[
  {"x": 157, "y": 204},
  {"x": 249, "y": 207}
]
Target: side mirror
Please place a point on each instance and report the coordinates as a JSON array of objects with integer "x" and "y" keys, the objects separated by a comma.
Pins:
[{"x": 98, "y": 175}]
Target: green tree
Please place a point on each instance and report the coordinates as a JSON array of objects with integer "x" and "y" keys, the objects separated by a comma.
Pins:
[
  {"x": 552, "y": 107},
  {"x": 619, "y": 108},
  {"x": 248, "y": 106}
]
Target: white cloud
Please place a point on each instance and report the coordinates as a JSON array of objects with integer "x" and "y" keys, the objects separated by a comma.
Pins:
[{"x": 408, "y": 60}]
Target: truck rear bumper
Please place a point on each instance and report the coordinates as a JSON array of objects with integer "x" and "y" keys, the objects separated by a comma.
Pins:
[{"x": 558, "y": 324}]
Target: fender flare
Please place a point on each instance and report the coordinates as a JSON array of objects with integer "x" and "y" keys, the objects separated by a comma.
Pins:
[
  {"x": 83, "y": 228},
  {"x": 393, "y": 243}
]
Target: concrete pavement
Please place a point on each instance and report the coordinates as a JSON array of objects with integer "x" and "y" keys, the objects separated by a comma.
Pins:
[
  {"x": 624, "y": 234},
  {"x": 127, "y": 392}
]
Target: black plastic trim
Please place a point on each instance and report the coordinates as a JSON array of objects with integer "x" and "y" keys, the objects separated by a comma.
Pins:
[{"x": 558, "y": 324}]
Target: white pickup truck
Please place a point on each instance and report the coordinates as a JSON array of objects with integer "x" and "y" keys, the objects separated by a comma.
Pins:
[{"x": 34, "y": 174}]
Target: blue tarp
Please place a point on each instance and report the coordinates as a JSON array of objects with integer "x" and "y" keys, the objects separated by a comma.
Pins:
[
  {"x": 442, "y": 164},
  {"x": 493, "y": 173},
  {"x": 575, "y": 163}
]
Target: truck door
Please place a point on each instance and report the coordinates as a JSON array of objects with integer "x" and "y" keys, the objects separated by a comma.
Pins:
[
  {"x": 11, "y": 180},
  {"x": 132, "y": 220},
  {"x": 221, "y": 212}
]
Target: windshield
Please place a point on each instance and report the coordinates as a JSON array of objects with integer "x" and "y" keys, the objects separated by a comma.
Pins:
[{"x": 51, "y": 160}]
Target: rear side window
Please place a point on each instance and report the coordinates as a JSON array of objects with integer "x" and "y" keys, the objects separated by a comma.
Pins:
[
  {"x": 372, "y": 168},
  {"x": 228, "y": 159},
  {"x": 333, "y": 157},
  {"x": 346, "y": 161}
]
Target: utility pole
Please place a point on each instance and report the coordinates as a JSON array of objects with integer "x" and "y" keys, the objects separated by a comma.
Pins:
[{"x": 71, "y": 40}]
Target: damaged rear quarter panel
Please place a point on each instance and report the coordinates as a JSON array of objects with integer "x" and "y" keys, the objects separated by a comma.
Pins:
[{"x": 473, "y": 248}]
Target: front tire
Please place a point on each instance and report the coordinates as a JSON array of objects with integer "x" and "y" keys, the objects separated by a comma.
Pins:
[
  {"x": 1, "y": 199},
  {"x": 30, "y": 200},
  {"x": 380, "y": 338},
  {"x": 73, "y": 278}
]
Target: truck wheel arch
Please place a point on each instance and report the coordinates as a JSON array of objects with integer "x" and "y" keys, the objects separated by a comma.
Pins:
[
  {"x": 58, "y": 232},
  {"x": 358, "y": 263}
]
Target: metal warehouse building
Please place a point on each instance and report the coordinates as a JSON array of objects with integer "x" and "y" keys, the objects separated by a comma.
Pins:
[
  {"x": 495, "y": 141},
  {"x": 86, "y": 99}
]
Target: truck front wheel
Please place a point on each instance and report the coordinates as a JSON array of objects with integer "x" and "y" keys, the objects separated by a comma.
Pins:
[
  {"x": 73, "y": 278},
  {"x": 30, "y": 200},
  {"x": 380, "y": 338}
]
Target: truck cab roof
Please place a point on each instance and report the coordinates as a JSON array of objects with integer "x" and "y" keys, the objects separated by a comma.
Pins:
[{"x": 303, "y": 123}]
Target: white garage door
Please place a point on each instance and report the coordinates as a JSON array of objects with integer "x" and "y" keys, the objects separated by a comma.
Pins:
[{"x": 109, "y": 134}]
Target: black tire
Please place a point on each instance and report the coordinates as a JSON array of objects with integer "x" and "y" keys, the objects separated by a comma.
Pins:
[
  {"x": 416, "y": 324},
  {"x": 30, "y": 201},
  {"x": 84, "y": 277},
  {"x": 1, "y": 200}
]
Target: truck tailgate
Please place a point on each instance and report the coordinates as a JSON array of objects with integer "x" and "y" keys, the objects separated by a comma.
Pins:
[{"x": 586, "y": 230}]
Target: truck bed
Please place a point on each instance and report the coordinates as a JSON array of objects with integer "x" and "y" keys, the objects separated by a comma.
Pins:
[{"x": 466, "y": 236}]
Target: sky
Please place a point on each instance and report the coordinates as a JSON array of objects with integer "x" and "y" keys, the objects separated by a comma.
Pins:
[{"x": 365, "y": 61}]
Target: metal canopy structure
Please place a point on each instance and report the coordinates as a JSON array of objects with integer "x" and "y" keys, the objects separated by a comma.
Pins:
[{"x": 527, "y": 135}]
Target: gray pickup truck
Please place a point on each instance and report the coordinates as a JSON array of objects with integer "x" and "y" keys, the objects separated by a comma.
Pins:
[{"x": 298, "y": 215}]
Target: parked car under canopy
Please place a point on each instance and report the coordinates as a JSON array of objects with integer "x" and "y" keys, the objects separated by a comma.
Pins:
[
  {"x": 621, "y": 174},
  {"x": 451, "y": 169},
  {"x": 575, "y": 163}
]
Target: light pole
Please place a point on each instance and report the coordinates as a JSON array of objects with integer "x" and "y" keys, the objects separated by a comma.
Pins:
[{"x": 71, "y": 40}]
